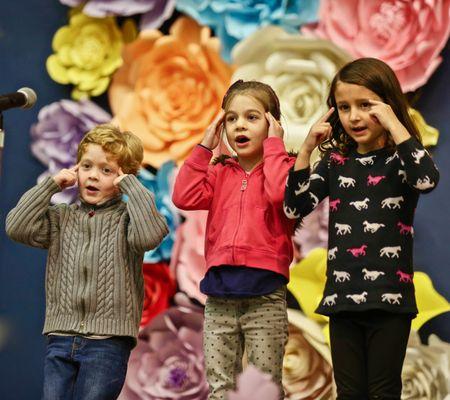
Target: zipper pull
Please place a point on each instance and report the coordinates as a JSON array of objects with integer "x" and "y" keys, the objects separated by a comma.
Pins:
[{"x": 243, "y": 185}]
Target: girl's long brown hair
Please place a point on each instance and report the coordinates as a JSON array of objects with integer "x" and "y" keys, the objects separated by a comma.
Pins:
[{"x": 378, "y": 77}]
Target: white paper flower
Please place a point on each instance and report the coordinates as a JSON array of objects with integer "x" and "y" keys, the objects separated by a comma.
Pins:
[{"x": 426, "y": 371}]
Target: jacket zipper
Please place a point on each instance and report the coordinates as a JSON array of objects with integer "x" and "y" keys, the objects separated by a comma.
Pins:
[{"x": 244, "y": 185}]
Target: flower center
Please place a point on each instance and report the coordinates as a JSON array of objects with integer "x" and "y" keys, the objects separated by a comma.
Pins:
[
  {"x": 389, "y": 19},
  {"x": 177, "y": 377}
]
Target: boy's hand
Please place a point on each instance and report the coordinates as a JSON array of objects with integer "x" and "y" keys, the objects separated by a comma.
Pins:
[
  {"x": 275, "y": 128},
  {"x": 213, "y": 131},
  {"x": 119, "y": 178},
  {"x": 319, "y": 132},
  {"x": 66, "y": 177}
]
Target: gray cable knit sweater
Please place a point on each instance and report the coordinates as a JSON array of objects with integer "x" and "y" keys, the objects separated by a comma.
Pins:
[{"x": 94, "y": 283}]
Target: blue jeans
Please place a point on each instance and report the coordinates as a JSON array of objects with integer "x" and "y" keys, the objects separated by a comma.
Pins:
[{"x": 78, "y": 368}]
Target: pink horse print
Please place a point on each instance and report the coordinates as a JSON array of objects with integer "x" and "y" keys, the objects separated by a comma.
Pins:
[
  {"x": 405, "y": 229},
  {"x": 404, "y": 277},
  {"x": 338, "y": 158},
  {"x": 374, "y": 180},
  {"x": 358, "y": 251},
  {"x": 334, "y": 204}
]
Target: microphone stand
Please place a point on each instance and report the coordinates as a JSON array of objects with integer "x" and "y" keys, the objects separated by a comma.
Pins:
[{"x": 2, "y": 141}]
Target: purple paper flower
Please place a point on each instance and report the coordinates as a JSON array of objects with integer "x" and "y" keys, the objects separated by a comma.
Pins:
[
  {"x": 167, "y": 362},
  {"x": 55, "y": 137},
  {"x": 155, "y": 12},
  {"x": 313, "y": 231}
]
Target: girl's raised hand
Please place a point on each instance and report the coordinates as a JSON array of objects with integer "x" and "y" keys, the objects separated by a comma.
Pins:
[
  {"x": 66, "y": 177},
  {"x": 320, "y": 131},
  {"x": 275, "y": 128},
  {"x": 383, "y": 114},
  {"x": 213, "y": 131},
  {"x": 120, "y": 176}
]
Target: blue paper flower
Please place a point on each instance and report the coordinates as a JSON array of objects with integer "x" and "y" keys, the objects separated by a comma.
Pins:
[
  {"x": 233, "y": 20},
  {"x": 159, "y": 184}
]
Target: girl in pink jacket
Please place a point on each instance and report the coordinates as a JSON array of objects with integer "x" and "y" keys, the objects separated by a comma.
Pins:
[{"x": 248, "y": 246}]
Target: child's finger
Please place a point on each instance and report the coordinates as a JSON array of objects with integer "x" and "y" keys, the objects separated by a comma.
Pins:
[
  {"x": 120, "y": 172},
  {"x": 327, "y": 115},
  {"x": 218, "y": 117}
]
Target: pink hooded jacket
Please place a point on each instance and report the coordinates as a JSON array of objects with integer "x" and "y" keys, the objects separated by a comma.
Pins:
[{"x": 246, "y": 224}]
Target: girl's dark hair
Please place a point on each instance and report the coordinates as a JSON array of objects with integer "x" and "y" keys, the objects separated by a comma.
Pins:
[
  {"x": 258, "y": 90},
  {"x": 378, "y": 77}
]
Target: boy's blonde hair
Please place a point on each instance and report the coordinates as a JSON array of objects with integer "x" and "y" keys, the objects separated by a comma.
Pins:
[{"x": 125, "y": 147}]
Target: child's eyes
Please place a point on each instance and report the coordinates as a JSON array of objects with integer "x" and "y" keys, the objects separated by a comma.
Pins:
[
  {"x": 365, "y": 105},
  {"x": 230, "y": 119},
  {"x": 252, "y": 117},
  {"x": 343, "y": 107},
  {"x": 107, "y": 171},
  {"x": 85, "y": 166}
]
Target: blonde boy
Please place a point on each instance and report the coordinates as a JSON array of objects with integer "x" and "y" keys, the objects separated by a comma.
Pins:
[{"x": 94, "y": 283}]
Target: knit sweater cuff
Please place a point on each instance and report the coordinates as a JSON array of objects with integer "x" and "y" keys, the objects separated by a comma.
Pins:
[
  {"x": 130, "y": 184},
  {"x": 49, "y": 187}
]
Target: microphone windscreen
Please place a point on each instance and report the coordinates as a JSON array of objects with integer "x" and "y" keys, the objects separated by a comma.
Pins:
[{"x": 30, "y": 95}]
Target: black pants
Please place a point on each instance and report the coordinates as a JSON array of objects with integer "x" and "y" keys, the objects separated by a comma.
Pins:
[{"x": 368, "y": 349}]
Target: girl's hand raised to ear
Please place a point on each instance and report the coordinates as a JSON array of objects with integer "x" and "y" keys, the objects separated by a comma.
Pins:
[
  {"x": 319, "y": 132},
  {"x": 213, "y": 131},
  {"x": 275, "y": 128},
  {"x": 385, "y": 116}
]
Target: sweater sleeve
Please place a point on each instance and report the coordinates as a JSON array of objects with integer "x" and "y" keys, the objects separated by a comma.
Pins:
[
  {"x": 194, "y": 185},
  {"x": 304, "y": 191},
  {"x": 147, "y": 227},
  {"x": 29, "y": 222},
  {"x": 420, "y": 170},
  {"x": 277, "y": 164}
]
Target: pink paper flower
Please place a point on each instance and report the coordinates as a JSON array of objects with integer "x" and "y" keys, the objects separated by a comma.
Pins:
[
  {"x": 407, "y": 35},
  {"x": 188, "y": 256},
  {"x": 254, "y": 384}
]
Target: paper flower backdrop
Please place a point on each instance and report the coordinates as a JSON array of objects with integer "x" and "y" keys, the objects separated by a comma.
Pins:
[
  {"x": 234, "y": 20},
  {"x": 165, "y": 66},
  {"x": 408, "y": 35}
]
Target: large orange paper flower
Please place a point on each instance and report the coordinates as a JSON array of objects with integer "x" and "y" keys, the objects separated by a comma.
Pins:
[{"x": 169, "y": 89}]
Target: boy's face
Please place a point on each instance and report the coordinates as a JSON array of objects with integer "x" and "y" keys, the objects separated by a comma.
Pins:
[{"x": 96, "y": 173}]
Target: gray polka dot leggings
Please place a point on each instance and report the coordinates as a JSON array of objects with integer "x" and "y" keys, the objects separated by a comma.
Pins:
[{"x": 258, "y": 324}]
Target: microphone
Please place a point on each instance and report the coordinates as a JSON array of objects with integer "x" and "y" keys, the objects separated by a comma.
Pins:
[{"x": 24, "y": 98}]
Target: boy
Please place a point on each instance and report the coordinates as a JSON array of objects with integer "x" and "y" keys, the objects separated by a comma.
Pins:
[{"x": 94, "y": 283}]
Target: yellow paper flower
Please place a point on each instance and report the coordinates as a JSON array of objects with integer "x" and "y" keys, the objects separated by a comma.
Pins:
[
  {"x": 307, "y": 281},
  {"x": 429, "y": 134},
  {"x": 429, "y": 302},
  {"x": 86, "y": 53},
  {"x": 169, "y": 89}
]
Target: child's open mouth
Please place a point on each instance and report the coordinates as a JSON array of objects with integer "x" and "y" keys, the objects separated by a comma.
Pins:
[
  {"x": 241, "y": 140},
  {"x": 91, "y": 189},
  {"x": 358, "y": 129}
]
